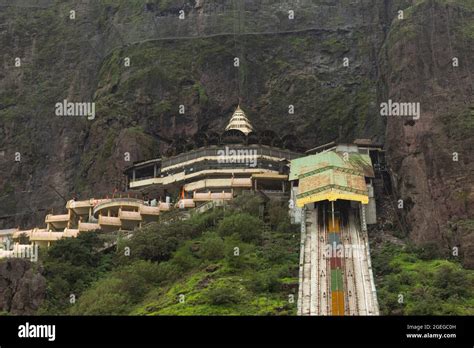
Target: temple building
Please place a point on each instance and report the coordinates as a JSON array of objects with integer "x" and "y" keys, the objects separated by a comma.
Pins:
[
  {"x": 216, "y": 168},
  {"x": 238, "y": 160}
]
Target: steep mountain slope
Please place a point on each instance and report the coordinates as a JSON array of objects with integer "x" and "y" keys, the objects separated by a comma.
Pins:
[
  {"x": 431, "y": 158},
  {"x": 137, "y": 106},
  {"x": 190, "y": 62}
]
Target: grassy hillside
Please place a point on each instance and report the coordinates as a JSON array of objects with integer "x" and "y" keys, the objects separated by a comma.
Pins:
[
  {"x": 223, "y": 262},
  {"x": 231, "y": 261},
  {"x": 410, "y": 282}
]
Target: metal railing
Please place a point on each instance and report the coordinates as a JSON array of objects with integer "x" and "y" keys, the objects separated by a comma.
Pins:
[
  {"x": 209, "y": 152},
  {"x": 110, "y": 203}
]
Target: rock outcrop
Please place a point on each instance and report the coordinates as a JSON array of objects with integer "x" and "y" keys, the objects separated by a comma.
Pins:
[
  {"x": 427, "y": 59},
  {"x": 22, "y": 288}
]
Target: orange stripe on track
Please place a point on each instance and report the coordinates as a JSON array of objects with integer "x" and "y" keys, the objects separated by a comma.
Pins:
[
  {"x": 337, "y": 302},
  {"x": 336, "y": 227}
]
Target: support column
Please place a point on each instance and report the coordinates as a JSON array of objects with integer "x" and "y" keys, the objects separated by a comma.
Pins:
[
  {"x": 332, "y": 213},
  {"x": 133, "y": 175}
]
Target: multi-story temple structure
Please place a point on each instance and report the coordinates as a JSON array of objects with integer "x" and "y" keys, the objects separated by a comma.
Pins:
[
  {"x": 239, "y": 159},
  {"x": 216, "y": 168}
]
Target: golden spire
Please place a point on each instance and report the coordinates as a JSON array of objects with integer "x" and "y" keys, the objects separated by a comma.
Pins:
[{"x": 240, "y": 122}]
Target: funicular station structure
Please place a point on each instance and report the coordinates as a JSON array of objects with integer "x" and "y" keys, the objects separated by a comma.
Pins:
[
  {"x": 330, "y": 190},
  {"x": 333, "y": 193}
]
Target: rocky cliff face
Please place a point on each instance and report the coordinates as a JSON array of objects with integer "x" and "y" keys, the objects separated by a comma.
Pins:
[
  {"x": 427, "y": 59},
  {"x": 190, "y": 62},
  {"x": 22, "y": 288}
]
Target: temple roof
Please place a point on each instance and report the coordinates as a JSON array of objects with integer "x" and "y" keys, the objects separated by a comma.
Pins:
[{"x": 240, "y": 122}]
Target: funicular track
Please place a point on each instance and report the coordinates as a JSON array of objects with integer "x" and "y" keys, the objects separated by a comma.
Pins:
[
  {"x": 335, "y": 271},
  {"x": 351, "y": 294}
]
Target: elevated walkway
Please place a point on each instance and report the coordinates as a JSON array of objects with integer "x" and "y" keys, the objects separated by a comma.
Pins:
[{"x": 109, "y": 214}]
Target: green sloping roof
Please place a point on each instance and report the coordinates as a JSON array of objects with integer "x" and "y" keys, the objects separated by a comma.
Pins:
[
  {"x": 332, "y": 175},
  {"x": 310, "y": 165},
  {"x": 332, "y": 180}
]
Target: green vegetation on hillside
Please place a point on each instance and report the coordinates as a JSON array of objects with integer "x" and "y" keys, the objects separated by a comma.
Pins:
[
  {"x": 231, "y": 261},
  {"x": 223, "y": 262},
  {"x": 70, "y": 266},
  {"x": 409, "y": 282}
]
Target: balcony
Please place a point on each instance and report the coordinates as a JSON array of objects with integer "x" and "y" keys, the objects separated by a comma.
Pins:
[
  {"x": 87, "y": 226},
  {"x": 130, "y": 215},
  {"x": 258, "y": 150},
  {"x": 72, "y": 204},
  {"x": 147, "y": 210},
  {"x": 209, "y": 196},
  {"x": 81, "y": 207},
  {"x": 110, "y": 221},
  {"x": 242, "y": 182},
  {"x": 57, "y": 220},
  {"x": 41, "y": 235},
  {"x": 116, "y": 203},
  {"x": 70, "y": 232}
]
